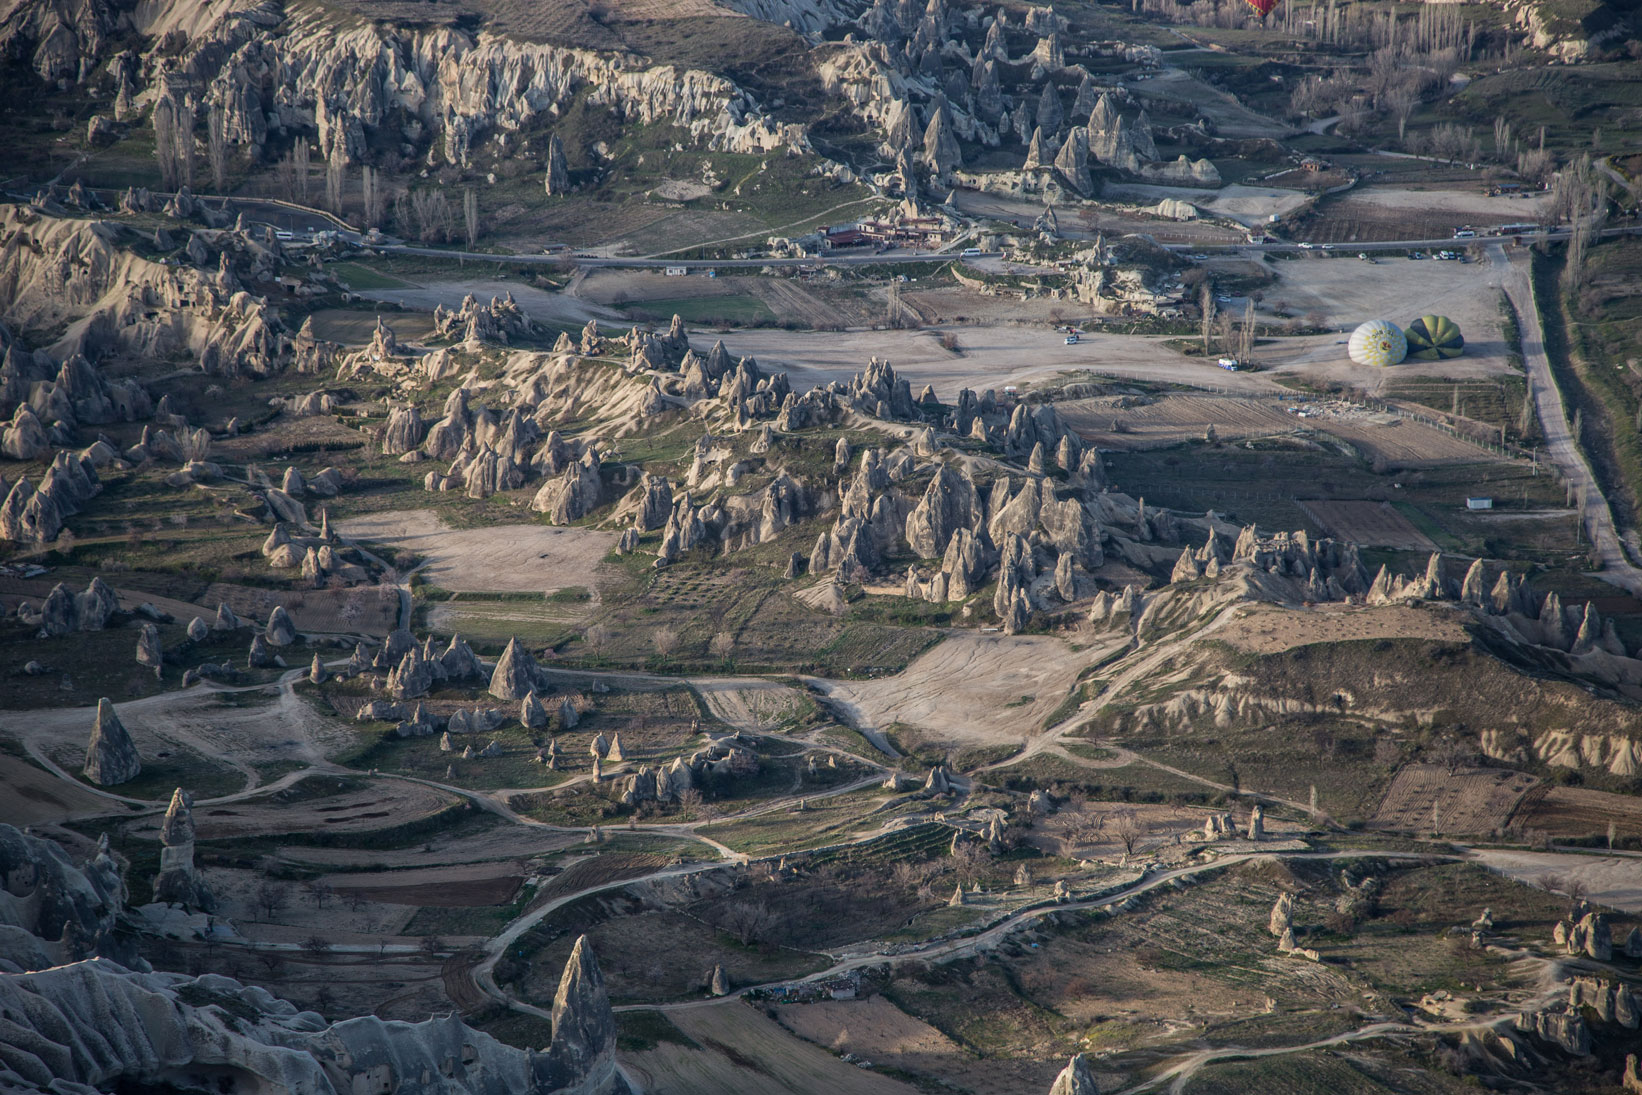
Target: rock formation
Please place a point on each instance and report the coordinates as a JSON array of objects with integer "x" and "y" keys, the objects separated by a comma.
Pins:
[
  {"x": 1075, "y": 1078},
  {"x": 516, "y": 672},
  {"x": 280, "y": 630},
  {"x": 179, "y": 879},
  {"x": 111, "y": 756}
]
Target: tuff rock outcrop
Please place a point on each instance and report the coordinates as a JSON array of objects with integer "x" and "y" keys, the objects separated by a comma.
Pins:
[
  {"x": 111, "y": 755},
  {"x": 179, "y": 880},
  {"x": 516, "y": 673}
]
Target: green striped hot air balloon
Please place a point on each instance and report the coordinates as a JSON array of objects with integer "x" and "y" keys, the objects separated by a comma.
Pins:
[{"x": 1434, "y": 338}]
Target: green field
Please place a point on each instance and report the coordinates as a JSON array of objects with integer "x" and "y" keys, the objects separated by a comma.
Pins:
[{"x": 732, "y": 311}]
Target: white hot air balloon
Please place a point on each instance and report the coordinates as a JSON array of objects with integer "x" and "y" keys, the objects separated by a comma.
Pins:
[{"x": 1379, "y": 343}]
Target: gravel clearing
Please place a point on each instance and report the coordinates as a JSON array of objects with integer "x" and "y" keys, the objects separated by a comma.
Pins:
[{"x": 494, "y": 559}]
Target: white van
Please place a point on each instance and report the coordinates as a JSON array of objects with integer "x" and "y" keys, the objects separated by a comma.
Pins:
[{"x": 971, "y": 252}]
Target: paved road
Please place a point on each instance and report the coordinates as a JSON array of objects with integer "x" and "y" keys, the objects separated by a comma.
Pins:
[{"x": 1560, "y": 444}]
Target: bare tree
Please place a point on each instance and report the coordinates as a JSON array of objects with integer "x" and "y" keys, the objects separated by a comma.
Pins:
[
  {"x": 316, "y": 946},
  {"x": 370, "y": 186},
  {"x": 1387, "y": 752},
  {"x": 173, "y": 133},
  {"x": 432, "y": 213},
  {"x": 1129, "y": 829},
  {"x": 722, "y": 646},
  {"x": 598, "y": 639},
  {"x": 967, "y": 860},
  {"x": 293, "y": 172},
  {"x": 1452, "y": 752},
  {"x": 1245, "y": 340},
  {"x": 431, "y": 947},
  {"x": 319, "y": 892},
  {"x": 749, "y": 922},
  {"x": 689, "y": 801},
  {"x": 271, "y": 897},
  {"x": 336, "y": 167},
  {"x": 216, "y": 127},
  {"x": 1205, "y": 298},
  {"x": 470, "y": 215},
  {"x": 665, "y": 641}
]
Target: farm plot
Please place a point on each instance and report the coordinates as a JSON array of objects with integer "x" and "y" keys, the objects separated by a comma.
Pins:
[
  {"x": 738, "y": 1051},
  {"x": 1401, "y": 443},
  {"x": 1369, "y": 524},
  {"x": 1118, "y": 423},
  {"x": 310, "y": 806},
  {"x": 353, "y": 327},
  {"x": 1377, "y": 214},
  {"x": 1578, "y": 811},
  {"x": 439, "y": 887},
  {"x": 879, "y": 1031},
  {"x": 1426, "y": 798},
  {"x": 371, "y": 610}
]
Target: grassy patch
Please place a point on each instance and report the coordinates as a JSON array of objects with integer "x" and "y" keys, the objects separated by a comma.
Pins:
[{"x": 732, "y": 311}]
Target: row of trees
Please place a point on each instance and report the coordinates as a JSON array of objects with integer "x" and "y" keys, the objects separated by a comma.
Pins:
[{"x": 425, "y": 214}]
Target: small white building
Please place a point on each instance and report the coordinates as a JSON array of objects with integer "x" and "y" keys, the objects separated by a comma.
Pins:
[
  {"x": 676, "y": 271},
  {"x": 1479, "y": 502}
]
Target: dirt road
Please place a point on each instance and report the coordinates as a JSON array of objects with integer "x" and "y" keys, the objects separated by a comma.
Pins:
[{"x": 1553, "y": 419}]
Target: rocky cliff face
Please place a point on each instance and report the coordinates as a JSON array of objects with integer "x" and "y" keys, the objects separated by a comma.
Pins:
[
  {"x": 58, "y": 273},
  {"x": 108, "y": 1022},
  {"x": 98, "y": 1024},
  {"x": 272, "y": 68}
]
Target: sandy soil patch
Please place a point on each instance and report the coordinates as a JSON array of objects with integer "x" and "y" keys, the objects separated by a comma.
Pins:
[
  {"x": 1451, "y": 201},
  {"x": 744, "y": 1053},
  {"x": 1471, "y": 801},
  {"x": 682, "y": 190},
  {"x": 495, "y": 559},
  {"x": 1371, "y": 524},
  {"x": 1615, "y": 881},
  {"x": 754, "y": 705},
  {"x": 970, "y": 687},
  {"x": 1269, "y": 629},
  {"x": 992, "y": 357},
  {"x": 31, "y": 796}
]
